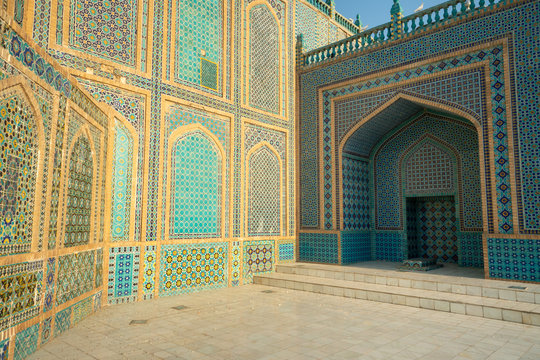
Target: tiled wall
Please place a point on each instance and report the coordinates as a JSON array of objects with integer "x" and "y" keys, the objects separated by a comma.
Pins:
[
  {"x": 52, "y": 197},
  {"x": 479, "y": 70},
  {"x": 183, "y": 139}
]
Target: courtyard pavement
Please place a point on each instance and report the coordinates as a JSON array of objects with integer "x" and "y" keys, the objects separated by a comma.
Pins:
[{"x": 260, "y": 322}]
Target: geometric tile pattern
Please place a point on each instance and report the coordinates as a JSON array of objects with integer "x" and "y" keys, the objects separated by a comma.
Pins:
[
  {"x": 62, "y": 321},
  {"x": 18, "y": 169},
  {"x": 132, "y": 107},
  {"x": 4, "y": 349},
  {"x": 20, "y": 292},
  {"x": 82, "y": 309},
  {"x": 429, "y": 169},
  {"x": 209, "y": 74},
  {"x": 122, "y": 177},
  {"x": 389, "y": 246},
  {"x": 75, "y": 275},
  {"x": 123, "y": 277},
  {"x": 197, "y": 40},
  {"x": 196, "y": 187},
  {"x": 355, "y": 246},
  {"x": 470, "y": 250},
  {"x": 149, "y": 272},
  {"x": 259, "y": 257},
  {"x": 315, "y": 28},
  {"x": 286, "y": 251},
  {"x": 319, "y": 248},
  {"x": 388, "y": 175},
  {"x": 107, "y": 31},
  {"x": 437, "y": 229},
  {"x": 355, "y": 194},
  {"x": 187, "y": 268},
  {"x": 26, "y": 342},
  {"x": 264, "y": 193},
  {"x": 514, "y": 259},
  {"x": 236, "y": 252},
  {"x": 18, "y": 12},
  {"x": 79, "y": 198},
  {"x": 264, "y": 58},
  {"x": 178, "y": 116},
  {"x": 46, "y": 328},
  {"x": 49, "y": 285},
  {"x": 99, "y": 268}
]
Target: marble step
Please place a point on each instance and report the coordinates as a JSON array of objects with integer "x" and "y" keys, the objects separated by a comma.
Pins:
[
  {"x": 495, "y": 289},
  {"x": 519, "y": 312}
]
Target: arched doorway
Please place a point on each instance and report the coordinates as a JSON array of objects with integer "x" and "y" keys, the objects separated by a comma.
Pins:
[{"x": 411, "y": 184}]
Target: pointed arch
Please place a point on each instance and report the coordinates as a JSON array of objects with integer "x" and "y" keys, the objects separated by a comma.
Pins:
[
  {"x": 78, "y": 196},
  {"x": 264, "y": 191},
  {"x": 427, "y": 103},
  {"x": 26, "y": 163},
  {"x": 251, "y": 88},
  {"x": 204, "y": 209},
  {"x": 123, "y": 163}
]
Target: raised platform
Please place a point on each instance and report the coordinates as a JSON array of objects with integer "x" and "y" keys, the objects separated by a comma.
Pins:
[{"x": 439, "y": 289}]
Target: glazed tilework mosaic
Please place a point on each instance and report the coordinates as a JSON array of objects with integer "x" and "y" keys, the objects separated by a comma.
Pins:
[
  {"x": 286, "y": 252},
  {"x": 193, "y": 267},
  {"x": 444, "y": 43},
  {"x": 389, "y": 246},
  {"x": 26, "y": 342},
  {"x": 264, "y": 193},
  {"x": 319, "y": 248},
  {"x": 107, "y": 31},
  {"x": 470, "y": 250},
  {"x": 4, "y": 349},
  {"x": 18, "y": 170},
  {"x": 75, "y": 275},
  {"x": 92, "y": 184},
  {"x": 355, "y": 246},
  {"x": 454, "y": 138},
  {"x": 437, "y": 228},
  {"x": 123, "y": 279},
  {"x": 264, "y": 59},
  {"x": 356, "y": 210},
  {"x": 149, "y": 272},
  {"x": 196, "y": 187},
  {"x": 259, "y": 258},
  {"x": 20, "y": 292},
  {"x": 514, "y": 259}
]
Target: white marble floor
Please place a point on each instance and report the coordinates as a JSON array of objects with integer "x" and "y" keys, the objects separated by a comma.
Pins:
[{"x": 248, "y": 323}]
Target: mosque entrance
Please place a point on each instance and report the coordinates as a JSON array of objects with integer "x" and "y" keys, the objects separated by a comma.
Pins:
[
  {"x": 411, "y": 187},
  {"x": 432, "y": 229}
]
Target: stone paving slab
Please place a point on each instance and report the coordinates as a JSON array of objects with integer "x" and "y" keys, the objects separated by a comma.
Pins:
[{"x": 247, "y": 323}]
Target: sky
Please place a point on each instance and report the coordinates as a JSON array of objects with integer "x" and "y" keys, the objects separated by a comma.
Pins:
[{"x": 377, "y": 12}]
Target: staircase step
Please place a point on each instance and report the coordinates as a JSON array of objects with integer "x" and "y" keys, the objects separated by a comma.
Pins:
[
  {"x": 519, "y": 312},
  {"x": 495, "y": 289}
]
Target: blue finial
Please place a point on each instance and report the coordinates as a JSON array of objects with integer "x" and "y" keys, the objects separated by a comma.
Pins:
[
  {"x": 396, "y": 8},
  {"x": 358, "y": 22}
]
